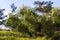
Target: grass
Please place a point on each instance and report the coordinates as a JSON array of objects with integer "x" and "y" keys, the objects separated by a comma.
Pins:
[{"x": 9, "y": 35}]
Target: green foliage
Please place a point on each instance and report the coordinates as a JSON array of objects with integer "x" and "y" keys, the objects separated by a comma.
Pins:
[
  {"x": 32, "y": 25},
  {"x": 12, "y": 22}
]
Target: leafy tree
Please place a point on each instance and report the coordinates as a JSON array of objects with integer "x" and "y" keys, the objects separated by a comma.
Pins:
[
  {"x": 12, "y": 22},
  {"x": 55, "y": 17},
  {"x": 28, "y": 18}
]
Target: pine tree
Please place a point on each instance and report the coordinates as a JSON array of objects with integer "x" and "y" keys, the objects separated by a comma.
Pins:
[
  {"x": 13, "y": 7},
  {"x": 2, "y": 16}
]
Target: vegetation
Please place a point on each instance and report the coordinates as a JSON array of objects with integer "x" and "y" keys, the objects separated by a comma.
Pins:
[{"x": 26, "y": 23}]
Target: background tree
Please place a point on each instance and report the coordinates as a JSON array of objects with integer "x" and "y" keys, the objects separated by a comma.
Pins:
[
  {"x": 43, "y": 7},
  {"x": 13, "y": 7},
  {"x": 1, "y": 16}
]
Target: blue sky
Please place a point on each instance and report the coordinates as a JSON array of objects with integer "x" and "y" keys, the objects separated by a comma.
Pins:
[{"x": 6, "y": 3}]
